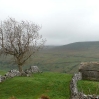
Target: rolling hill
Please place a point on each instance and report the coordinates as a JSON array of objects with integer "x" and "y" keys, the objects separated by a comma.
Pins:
[
  {"x": 65, "y": 58},
  {"x": 77, "y": 46}
]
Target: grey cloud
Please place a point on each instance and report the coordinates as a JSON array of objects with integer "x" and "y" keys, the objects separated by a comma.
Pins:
[{"x": 63, "y": 21}]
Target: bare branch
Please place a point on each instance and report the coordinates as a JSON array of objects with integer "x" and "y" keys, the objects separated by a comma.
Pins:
[{"x": 20, "y": 39}]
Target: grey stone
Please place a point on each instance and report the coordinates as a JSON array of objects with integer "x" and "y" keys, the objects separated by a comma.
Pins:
[
  {"x": 74, "y": 90},
  {"x": 34, "y": 69}
]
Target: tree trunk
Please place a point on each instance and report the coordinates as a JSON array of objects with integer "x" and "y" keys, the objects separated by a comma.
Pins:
[{"x": 20, "y": 68}]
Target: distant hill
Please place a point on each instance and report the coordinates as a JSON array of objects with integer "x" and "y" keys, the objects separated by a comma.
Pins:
[
  {"x": 79, "y": 46},
  {"x": 65, "y": 58}
]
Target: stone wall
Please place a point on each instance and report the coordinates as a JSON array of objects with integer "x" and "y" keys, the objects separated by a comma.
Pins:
[
  {"x": 75, "y": 94},
  {"x": 73, "y": 85},
  {"x": 89, "y": 70},
  {"x": 9, "y": 74},
  {"x": 90, "y": 75},
  {"x": 14, "y": 72}
]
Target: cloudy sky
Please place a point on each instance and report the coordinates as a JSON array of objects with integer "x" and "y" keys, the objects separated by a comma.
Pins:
[{"x": 62, "y": 21}]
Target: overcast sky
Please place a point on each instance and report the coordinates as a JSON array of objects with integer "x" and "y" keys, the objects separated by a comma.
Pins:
[{"x": 62, "y": 21}]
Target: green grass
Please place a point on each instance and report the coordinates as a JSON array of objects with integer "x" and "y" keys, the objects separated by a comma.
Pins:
[
  {"x": 88, "y": 87},
  {"x": 2, "y": 72},
  {"x": 54, "y": 85}
]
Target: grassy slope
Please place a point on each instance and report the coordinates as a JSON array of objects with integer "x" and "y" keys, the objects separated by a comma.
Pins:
[
  {"x": 54, "y": 85},
  {"x": 68, "y": 57},
  {"x": 65, "y": 59}
]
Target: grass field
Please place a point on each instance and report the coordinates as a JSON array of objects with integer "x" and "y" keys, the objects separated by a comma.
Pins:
[
  {"x": 54, "y": 85},
  {"x": 88, "y": 87}
]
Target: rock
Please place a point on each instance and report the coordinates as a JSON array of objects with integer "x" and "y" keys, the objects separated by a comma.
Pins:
[
  {"x": 34, "y": 69},
  {"x": 89, "y": 70},
  {"x": 0, "y": 78},
  {"x": 12, "y": 73}
]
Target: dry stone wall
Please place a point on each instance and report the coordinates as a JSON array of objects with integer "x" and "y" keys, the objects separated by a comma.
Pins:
[
  {"x": 89, "y": 70},
  {"x": 75, "y": 94},
  {"x": 73, "y": 85},
  {"x": 9, "y": 74},
  {"x": 14, "y": 72}
]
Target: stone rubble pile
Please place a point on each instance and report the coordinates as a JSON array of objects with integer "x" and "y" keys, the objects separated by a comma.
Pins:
[
  {"x": 14, "y": 72},
  {"x": 75, "y": 94},
  {"x": 9, "y": 74}
]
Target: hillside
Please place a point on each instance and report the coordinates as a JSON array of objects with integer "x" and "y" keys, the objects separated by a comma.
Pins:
[
  {"x": 65, "y": 59},
  {"x": 78, "y": 46}
]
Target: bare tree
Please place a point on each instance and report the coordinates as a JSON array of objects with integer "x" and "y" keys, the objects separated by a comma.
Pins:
[{"x": 20, "y": 39}]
